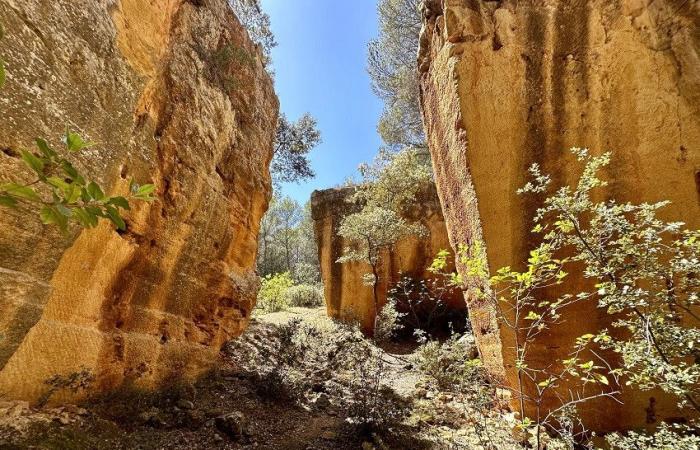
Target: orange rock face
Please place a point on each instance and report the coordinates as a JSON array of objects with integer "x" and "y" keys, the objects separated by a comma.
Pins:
[
  {"x": 173, "y": 93},
  {"x": 507, "y": 84},
  {"x": 347, "y": 298}
]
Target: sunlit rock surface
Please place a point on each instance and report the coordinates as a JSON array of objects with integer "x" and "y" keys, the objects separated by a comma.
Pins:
[
  {"x": 348, "y": 298},
  {"x": 505, "y": 84},
  {"x": 173, "y": 93}
]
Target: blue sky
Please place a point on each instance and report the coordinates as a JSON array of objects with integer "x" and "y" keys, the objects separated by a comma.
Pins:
[{"x": 320, "y": 65}]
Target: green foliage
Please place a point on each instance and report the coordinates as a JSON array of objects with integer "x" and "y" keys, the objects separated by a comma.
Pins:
[
  {"x": 61, "y": 194},
  {"x": 394, "y": 180},
  {"x": 644, "y": 272},
  {"x": 257, "y": 23},
  {"x": 389, "y": 186},
  {"x": 392, "y": 68},
  {"x": 371, "y": 231},
  {"x": 305, "y": 296},
  {"x": 293, "y": 143},
  {"x": 388, "y": 322},
  {"x": 450, "y": 366},
  {"x": 272, "y": 296},
  {"x": 286, "y": 241},
  {"x": 422, "y": 302},
  {"x": 667, "y": 437}
]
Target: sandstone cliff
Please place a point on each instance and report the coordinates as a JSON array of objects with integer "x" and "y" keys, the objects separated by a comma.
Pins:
[
  {"x": 173, "y": 92},
  {"x": 509, "y": 83},
  {"x": 347, "y": 298}
]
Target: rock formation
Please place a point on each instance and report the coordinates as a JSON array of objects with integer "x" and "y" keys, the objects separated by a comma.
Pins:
[
  {"x": 509, "y": 83},
  {"x": 173, "y": 93},
  {"x": 347, "y": 298}
]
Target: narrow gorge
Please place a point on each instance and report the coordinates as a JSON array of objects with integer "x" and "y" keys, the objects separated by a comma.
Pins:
[{"x": 393, "y": 224}]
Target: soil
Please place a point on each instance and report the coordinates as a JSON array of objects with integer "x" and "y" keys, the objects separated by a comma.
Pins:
[{"x": 185, "y": 416}]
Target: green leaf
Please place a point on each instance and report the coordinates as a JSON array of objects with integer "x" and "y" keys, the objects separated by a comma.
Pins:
[
  {"x": 145, "y": 190},
  {"x": 7, "y": 201},
  {"x": 45, "y": 148},
  {"x": 119, "y": 202},
  {"x": 73, "y": 194},
  {"x": 17, "y": 190},
  {"x": 50, "y": 216},
  {"x": 75, "y": 142},
  {"x": 64, "y": 210},
  {"x": 85, "y": 217},
  {"x": 34, "y": 163},
  {"x": 601, "y": 378},
  {"x": 58, "y": 183},
  {"x": 114, "y": 216},
  {"x": 95, "y": 191}
]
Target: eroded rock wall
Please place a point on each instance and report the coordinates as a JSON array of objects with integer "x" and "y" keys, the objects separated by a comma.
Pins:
[
  {"x": 173, "y": 93},
  {"x": 505, "y": 84},
  {"x": 347, "y": 297}
]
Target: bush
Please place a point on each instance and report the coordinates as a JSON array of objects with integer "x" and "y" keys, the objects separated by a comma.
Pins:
[
  {"x": 388, "y": 322},
  {"x": 450, "y": 366},
  {"x": 273, "y": 292},
  {"x": 305, "y": 296}
]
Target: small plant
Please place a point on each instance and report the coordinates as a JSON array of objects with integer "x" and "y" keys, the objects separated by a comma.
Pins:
[
  {"x": 372, "y": 406},
  {"x": 305, "y": 296},
  {"x": 388, "y": 322},
  {"x": 73, "y": 382},
  {"x": 272, "y": 296},
  {"x": 62, "y": 194},
  {"x": 667, "y": 437},
  {"x": 452, "y": 365}
]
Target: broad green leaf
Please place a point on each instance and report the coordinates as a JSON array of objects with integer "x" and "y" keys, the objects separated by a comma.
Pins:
[
  {"x": 114, "y": 216},
  {"x": 64, "y": 210},
  {"x": 7, "y": 201},
  {"x": 58, "y": 183},
  {"x": 146, "y": 189},
  {"x": 85, "y": 217},
  {"x": 95, "y": 191},
  {"x": 120, "y": 202},
  {"x": 17, "y": 190},
  {"x": 34, "y": 163},
  {"x": 50, "y": 216},
  {"x": 73, "y": 194},
  {"x": 45, "y": 148},
  {"x": 75, "y": 142},
  {"x": 97, "y": 212}
]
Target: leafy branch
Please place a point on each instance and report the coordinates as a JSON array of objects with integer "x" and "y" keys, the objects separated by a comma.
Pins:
[{"x": 62, "y": 194}]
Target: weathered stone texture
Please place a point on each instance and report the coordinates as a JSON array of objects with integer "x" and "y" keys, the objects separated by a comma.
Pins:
[
  {"x": 509, "y": 83},
  {"x": 152, "y": 83},
  {"x": 347, "y": 297}
]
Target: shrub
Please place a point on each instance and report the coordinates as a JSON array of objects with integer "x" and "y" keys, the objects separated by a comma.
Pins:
[
  {"x": 273, "y": 292},
  {"x": 450, "y": 366},
  {"x": 305, "y": 296},
  {"x": 388, "y": 322}
]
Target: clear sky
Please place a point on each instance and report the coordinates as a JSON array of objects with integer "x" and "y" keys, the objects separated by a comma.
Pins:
[{"x": 320, "y": 65}]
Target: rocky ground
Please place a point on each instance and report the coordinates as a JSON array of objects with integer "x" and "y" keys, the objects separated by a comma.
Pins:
[{"x": 254, "y": 400}]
